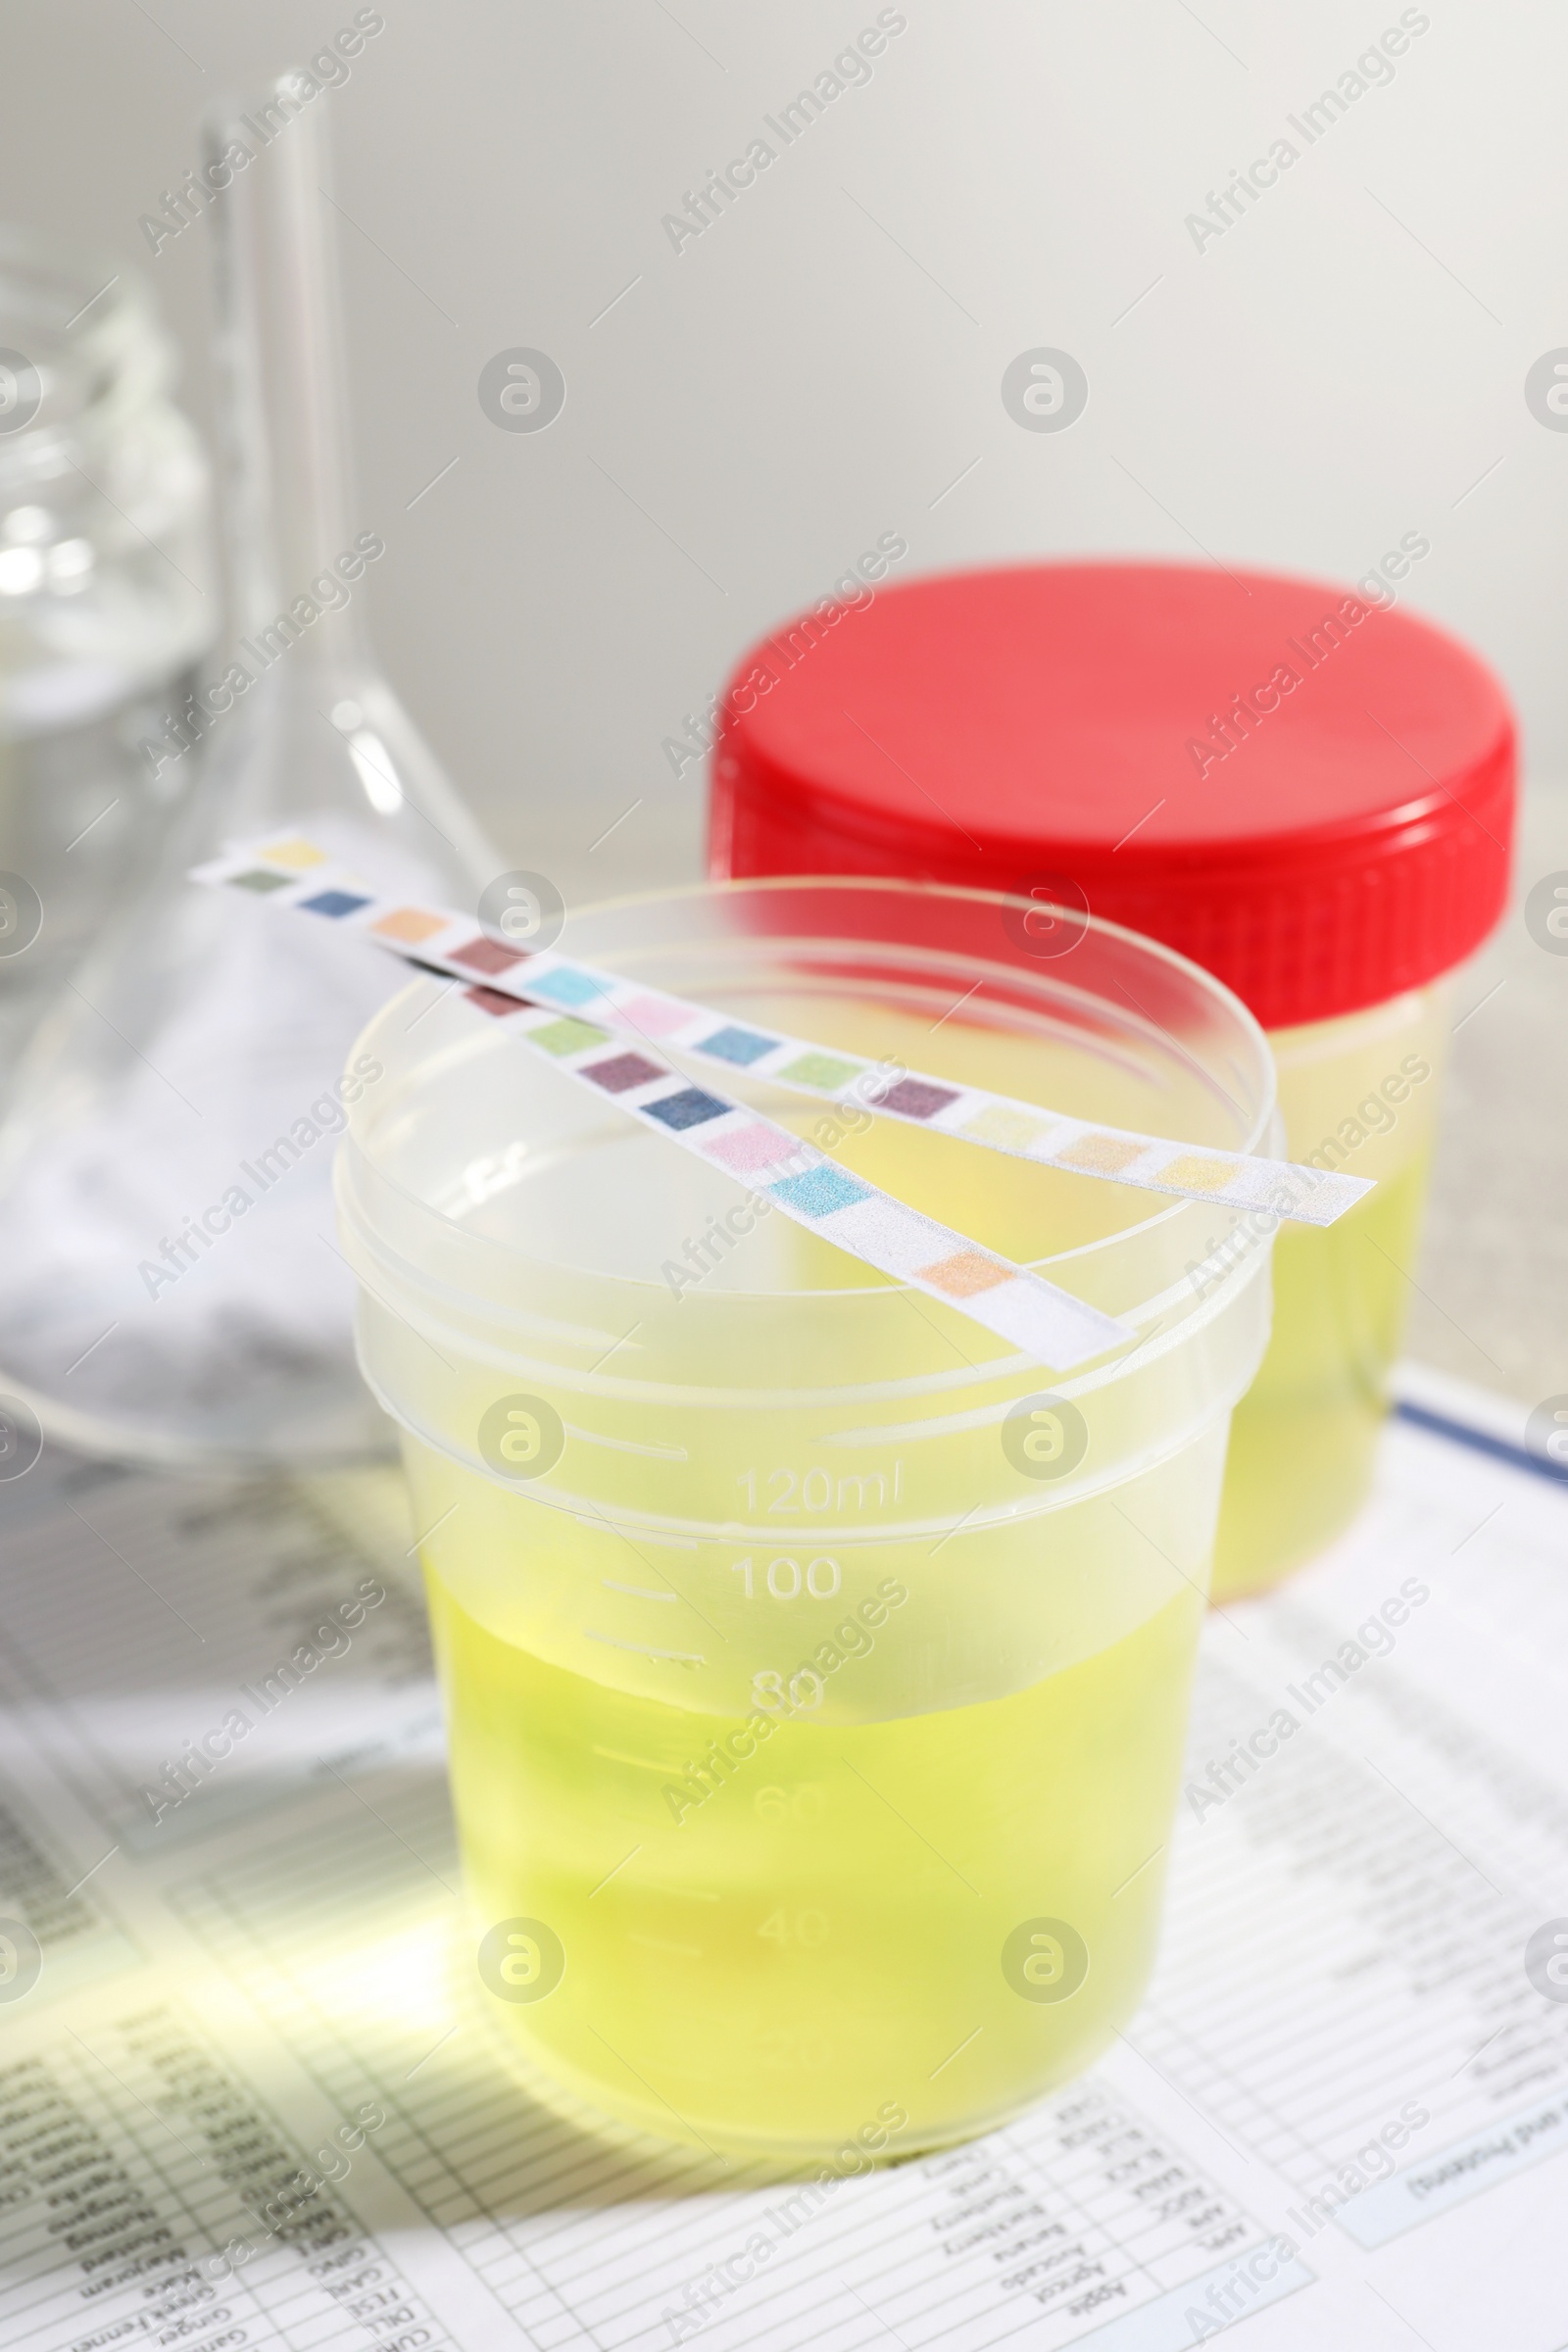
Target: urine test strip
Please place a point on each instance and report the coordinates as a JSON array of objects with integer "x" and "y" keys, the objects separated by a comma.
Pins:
[
  {"x": 1032, "y": 1315},
  {"x": 1007, "y": 1300},
  {"x": 302, "y": 875}
]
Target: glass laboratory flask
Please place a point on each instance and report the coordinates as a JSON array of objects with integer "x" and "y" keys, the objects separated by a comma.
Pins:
[{"x": 173, "y": 1287}]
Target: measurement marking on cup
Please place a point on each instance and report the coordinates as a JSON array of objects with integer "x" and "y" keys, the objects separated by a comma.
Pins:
[
  {"x": 645, "y": 1534},
  {"x": 678, "y": 1658},
  {"x": 615, "y": 1756},
  {"x": 822, "y": 1489},
  {"x": 957, "y": 2053},
  {"x": 622, "y": 1538},
  {"x": 637, "y": 1592},
  {"x": 592, "y": 1436}
]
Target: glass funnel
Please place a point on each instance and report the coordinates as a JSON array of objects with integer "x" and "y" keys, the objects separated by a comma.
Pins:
[{"x": 172, "y": 1287}]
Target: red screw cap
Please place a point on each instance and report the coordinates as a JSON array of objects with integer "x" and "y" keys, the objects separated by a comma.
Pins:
[{"x": 1309, "y": 795}]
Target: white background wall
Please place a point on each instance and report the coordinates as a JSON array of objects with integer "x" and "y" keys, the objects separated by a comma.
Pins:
[
  {"x": 1344, "y": 365},
  {"x": 1337, "y": 369}
]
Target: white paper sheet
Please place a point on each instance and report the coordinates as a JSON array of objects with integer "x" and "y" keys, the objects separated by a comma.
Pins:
[{"x": 1339, "y": 2118}]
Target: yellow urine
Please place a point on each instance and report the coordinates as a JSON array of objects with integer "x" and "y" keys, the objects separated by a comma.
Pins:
[
  {"x": 817, "y": 1947},
  {"x": 812, "y": 1954},
  {"x": 1303, "y": 1437}
]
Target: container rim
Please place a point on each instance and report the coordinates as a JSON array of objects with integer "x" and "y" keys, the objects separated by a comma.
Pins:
[{"x": 894, "y": 886}]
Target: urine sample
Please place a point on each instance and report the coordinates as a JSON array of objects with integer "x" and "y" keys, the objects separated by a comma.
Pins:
[
  {"x": 1308, "y": 793},
  {"x": 1304, "y": 1437},
  {"x": 816, "y": 1669}
]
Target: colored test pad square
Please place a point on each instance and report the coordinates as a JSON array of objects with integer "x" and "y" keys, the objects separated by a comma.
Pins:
[
  {"x": 491, "y": 1000},
  {"x": 655, "y": 1016},
  {"x": 565, "y": 1036},
  {"x": 965, "y": 1274},
  {"x": 915, "y": 1098},
  {"x": 1104, "y": 1154},
  {"x": 293, "y": 852},
  {"x": 334, "y": 903},
  {"x": 1013, "y": 1130},
  {"x": 742, "y": 1047},
  {"x": 818, "y": 1192},
  {"x": 565, "y": 987},
  {"x": 488, "y": 955},
  {"x": 1196, "y": 1175},
  {"x": 622, "y": 1072},
  {"x": 259, "y": 879},
  {"x": 749, "y": 1149},
  {"x": 825, "y": 1070},
  {"x": 689, "y": 1109},
  {"x": 409, "y": 924}
]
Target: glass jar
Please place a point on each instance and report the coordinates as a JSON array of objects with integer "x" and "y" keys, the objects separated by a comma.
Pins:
[
  {"x": 816, "y": 1666},
  {"x": 107, "y": 601},
  {"x": 164, "y": 1168},
  {"x": 1308, "y": 793}
]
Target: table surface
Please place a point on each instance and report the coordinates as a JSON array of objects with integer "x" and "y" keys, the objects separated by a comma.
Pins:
[{"x": 249, "y": 2092}]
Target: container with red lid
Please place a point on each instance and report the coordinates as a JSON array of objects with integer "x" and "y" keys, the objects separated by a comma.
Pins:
[{"x": 1304, "y": 790}]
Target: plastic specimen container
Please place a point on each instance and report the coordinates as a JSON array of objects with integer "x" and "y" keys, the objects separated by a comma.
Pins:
[
  {"x": 815, "y": 1668},
  {"x": 1308, "y": 793}
]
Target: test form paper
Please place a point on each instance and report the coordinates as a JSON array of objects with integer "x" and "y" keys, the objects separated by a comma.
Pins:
[{"x": 251, "y": 2024}]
